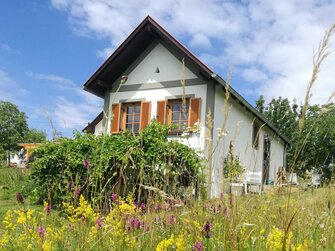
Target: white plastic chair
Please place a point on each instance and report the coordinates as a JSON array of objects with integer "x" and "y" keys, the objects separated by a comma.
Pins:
[
  {"x": 254, "y": 179},
  {"x": 316, "y": 180},
  {"x": 293, "y": 179}
]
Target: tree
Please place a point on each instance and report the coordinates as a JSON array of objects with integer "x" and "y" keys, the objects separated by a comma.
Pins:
[
  {"x": 35, "y": 136},
  {"x": 314, "y": 147},
  {"x": 260, "y": 104},
  {"x": 13, "y": 126}
]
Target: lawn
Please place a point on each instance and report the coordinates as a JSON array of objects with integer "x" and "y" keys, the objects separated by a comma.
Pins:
[
  {"x": 305, "y": 219},
  {"x": 14, "y": 180}
]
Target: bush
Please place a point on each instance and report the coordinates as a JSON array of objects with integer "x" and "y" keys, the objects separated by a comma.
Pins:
[{"x": 99, "y": 166}]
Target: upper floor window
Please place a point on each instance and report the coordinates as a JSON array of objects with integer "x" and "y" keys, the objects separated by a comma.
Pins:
[
  {"x": 178, "y": 115},
  {"x": 132, "y": 116}
]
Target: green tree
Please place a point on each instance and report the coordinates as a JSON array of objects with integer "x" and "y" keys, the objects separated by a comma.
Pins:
[
  {"x": 260, "y": 104},
  {"x": 13, "y": 126},
  {"x": 35, "y": 136},
  {"x": 314, "y": 148}
]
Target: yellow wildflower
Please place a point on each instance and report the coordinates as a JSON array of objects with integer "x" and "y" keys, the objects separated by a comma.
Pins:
[
  {"x": 165, "y": 244},
  {"x": 275, "y": 239}
]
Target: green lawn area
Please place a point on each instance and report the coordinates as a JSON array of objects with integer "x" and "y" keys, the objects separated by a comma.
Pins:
[{"x": 14, "y": 180}]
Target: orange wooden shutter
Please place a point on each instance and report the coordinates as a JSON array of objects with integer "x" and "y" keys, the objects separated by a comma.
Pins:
[
  {"x": 161, "y": 111},
  {"x": 116, "y": 111},
  {"x": 194, "y": 111},
  {"x": 145, "y": 114}
]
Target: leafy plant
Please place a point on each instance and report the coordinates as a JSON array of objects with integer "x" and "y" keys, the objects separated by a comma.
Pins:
[{"x": 99, "y": 166}]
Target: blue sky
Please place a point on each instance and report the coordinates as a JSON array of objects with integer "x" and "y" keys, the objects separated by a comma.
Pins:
[{"x": 48, "y": 49}]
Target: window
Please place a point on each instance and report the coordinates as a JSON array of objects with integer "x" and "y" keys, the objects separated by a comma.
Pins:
[
  {"x": 131, "y": 113},
  {"x": 132, "y": 116},
  {"x": 171, "y": 112},
  {"x": 255, "y": 135},
  {"x": 178, "y": 114}
]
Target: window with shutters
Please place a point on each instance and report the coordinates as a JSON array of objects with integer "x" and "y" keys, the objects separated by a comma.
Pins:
[
  {"x": 180, "y": 117},
  {"x": 132, "y": 116},
  {"x": 178, "y": 114}
]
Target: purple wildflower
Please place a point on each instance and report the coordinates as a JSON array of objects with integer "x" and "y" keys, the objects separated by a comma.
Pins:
[
  {"x": 172, "y": 220},
  {"x": 143, "y": 207},
  {"x": 76, "y": 192},
  {"x": 69, "y": 186},
  {"x": 134, "y": 223},
  {"x": 198, "y": 246},
  {"x": 48, "y": 209},
  {"x": 158, "y": 207},
  {"x": 114, "y": 197},
  {"x": 87, "y": 164},
  {"x": 99, "y": 223},
  {"x": 225, "y": 212},
  {"x": 41, "y": 231},
  {"x": 206, "y": 229}
]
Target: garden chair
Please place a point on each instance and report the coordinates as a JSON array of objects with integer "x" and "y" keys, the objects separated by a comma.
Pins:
[
  {"x": 293, "y": 179},
  {"x": 316, "y": 180},
  {"x": 253, "y": 179}
]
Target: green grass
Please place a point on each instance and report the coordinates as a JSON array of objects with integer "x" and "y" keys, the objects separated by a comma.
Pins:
[
  {"x": 14, "y": 180},
  {"x": 249, "y": 222}
]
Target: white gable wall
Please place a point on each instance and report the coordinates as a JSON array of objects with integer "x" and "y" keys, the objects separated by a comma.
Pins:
[{"x": 170, "y": 68}]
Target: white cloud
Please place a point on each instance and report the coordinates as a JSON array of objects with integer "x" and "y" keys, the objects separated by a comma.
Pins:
[
  {"x": 7, "y": 85},
  {"x": 277, "y": 37},
  {"x": 74, "y": 115},
  {"x": 7, "y": 48},
  {"x": 62, "y": 83},
  {"x": 254, "y": 75}
]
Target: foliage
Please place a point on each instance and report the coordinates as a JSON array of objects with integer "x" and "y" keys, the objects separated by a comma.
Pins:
[
  {"x": 233, "y": 168},
  {"x": 313, "y": 147},
  {"x": 100, "y": 166},
  {"x": 221, "y": 224},
  {"x": 35, "y": 136},
  {"x": 13, "y": 126}
]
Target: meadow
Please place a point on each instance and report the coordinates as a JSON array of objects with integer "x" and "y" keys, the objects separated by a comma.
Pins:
[{"x": 248, "y": 222}]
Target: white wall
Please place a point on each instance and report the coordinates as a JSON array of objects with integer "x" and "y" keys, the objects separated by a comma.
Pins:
[
  {"x": 98, "y": 129},
  {"x": 239, "y": 131},
  {"x": 170, "y": 68}
]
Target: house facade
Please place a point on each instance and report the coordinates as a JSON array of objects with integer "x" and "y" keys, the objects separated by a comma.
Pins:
[{"x": 152, "y": 76}]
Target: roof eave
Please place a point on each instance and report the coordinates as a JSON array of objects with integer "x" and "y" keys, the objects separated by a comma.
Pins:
[{"x": 251, "y": 108}]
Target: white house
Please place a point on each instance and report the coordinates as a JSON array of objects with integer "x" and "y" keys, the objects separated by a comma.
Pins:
[{"x": 153, "y": 62}]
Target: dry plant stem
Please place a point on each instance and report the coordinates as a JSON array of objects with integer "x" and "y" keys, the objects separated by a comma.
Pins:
[
  {"x": 182, "y": 82},
  {"x": 318, "y": 58}
]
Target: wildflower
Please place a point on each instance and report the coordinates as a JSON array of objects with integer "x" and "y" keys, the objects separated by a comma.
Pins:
[
  {"x": 134, "y": 223},
  {"x": 143, "y": 207},
  {"x": 275, "y": 239},
  {"x": 69, "y": 186},
  {"x": 99, "y": 223},
  {"x": 47, "y": 208},
  {"x": 87, "y": 164},
  {"x": 225, "y": 212},
  {"x": 19, "y": 198},
  {"x": 41, "y": 231},
  {"x": 76, "y": 192},
  {"x": 114, "y": 197},
  {"x": 206, "y": 229},
  {"x": 198, "y": 246},
  {"x": 171, "y": 220},
  {"x": 158, "y": 207},
  {"x": 165, "y": 244}
]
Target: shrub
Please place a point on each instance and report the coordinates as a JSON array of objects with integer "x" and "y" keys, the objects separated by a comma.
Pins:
[{"x": 99, "y": 166}]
